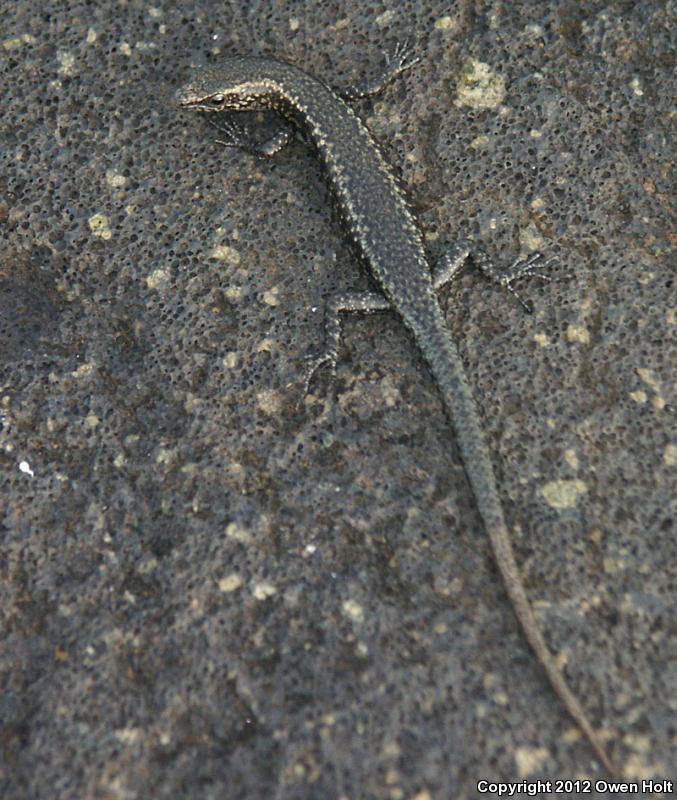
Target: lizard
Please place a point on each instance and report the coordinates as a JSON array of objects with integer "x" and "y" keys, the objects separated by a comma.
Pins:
[{"x": 378, "y": 219}]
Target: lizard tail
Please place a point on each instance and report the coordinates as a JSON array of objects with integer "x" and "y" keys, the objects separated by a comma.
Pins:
[{"x": 445, "y": 362}]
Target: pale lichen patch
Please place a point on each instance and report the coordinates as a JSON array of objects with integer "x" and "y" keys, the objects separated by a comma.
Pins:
[
  {"x": 271, "y": 297},
  {"x": 224, "y": 252},
  {"x": 531, "y": 239},
  {"x": 66, "y": 61},
  {"x": 237, "y": 532},
  {"x": 263, "y": 590},
  {"x": 571, "y": 457},
  {"x": 479, "y": 86},
  {"x": 564, "y": 493},
  {"x": 269, "y": 401},
  {"x": 99, "y": 225},
  {"x": 446, "y": 23},
  {"x": 230, "y": 583},
  {"x": 353, "y": 610},
  {"x": 670, "y": 455},
  {"x": 114, "y": 179},
  {"x": 158, "y": 278},
  {"x": 578, "y": 334},
  {"x": 18, "y": 41},
  {"x": 530, "y": 760}
]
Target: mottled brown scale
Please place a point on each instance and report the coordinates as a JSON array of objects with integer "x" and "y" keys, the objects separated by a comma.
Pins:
[{"x": 378, "y": 220}]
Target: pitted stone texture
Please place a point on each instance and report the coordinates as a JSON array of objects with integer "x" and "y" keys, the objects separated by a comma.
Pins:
[{"x": 213, "y": 589}]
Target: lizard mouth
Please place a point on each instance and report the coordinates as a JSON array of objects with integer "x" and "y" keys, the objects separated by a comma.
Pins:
[
  {"x": 186, "y": 102},
  {"x": 198, "y": 105},
  {"x": 191, "y": 100}
]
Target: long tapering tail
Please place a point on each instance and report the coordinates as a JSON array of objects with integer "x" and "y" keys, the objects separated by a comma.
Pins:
[{"x": 445, "y": 363}]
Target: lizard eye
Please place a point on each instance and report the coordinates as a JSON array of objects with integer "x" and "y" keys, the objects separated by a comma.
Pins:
[{"x": 217, "y": 100}]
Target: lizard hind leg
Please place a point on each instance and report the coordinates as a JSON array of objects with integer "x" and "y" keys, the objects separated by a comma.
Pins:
[
  {"x": 449, "y": 266},
  {"x": 451, "y": 263},
  {"x": 520, "y": 268},
  {"x": 345, "y": 302}
]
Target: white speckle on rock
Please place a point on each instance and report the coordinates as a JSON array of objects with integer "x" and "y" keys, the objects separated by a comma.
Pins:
[
  {"x": 636, "y": 87},
  {"x": 25, "y": 467}
]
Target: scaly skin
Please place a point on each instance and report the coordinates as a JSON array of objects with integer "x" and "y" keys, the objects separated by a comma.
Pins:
[{"x": 379, "y": 222}]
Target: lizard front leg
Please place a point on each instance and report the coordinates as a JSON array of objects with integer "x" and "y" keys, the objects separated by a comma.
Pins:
[
  {"x": 398, "y": 62},
  {"x": 237, "y": 136}
]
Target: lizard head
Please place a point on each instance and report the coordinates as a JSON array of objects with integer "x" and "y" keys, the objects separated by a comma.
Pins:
[{"x": 232, "y": 85}]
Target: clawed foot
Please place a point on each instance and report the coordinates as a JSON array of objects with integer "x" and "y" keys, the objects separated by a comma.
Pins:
[
  {"x": 401, "y": 59},
  {"x": 525, "y": 268},
  {"x": 531, "y": 267},
  {"x": 398, "y": 61},
  {"x": 319, "y": 361},
  {"x": 236, "y": 135}
]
